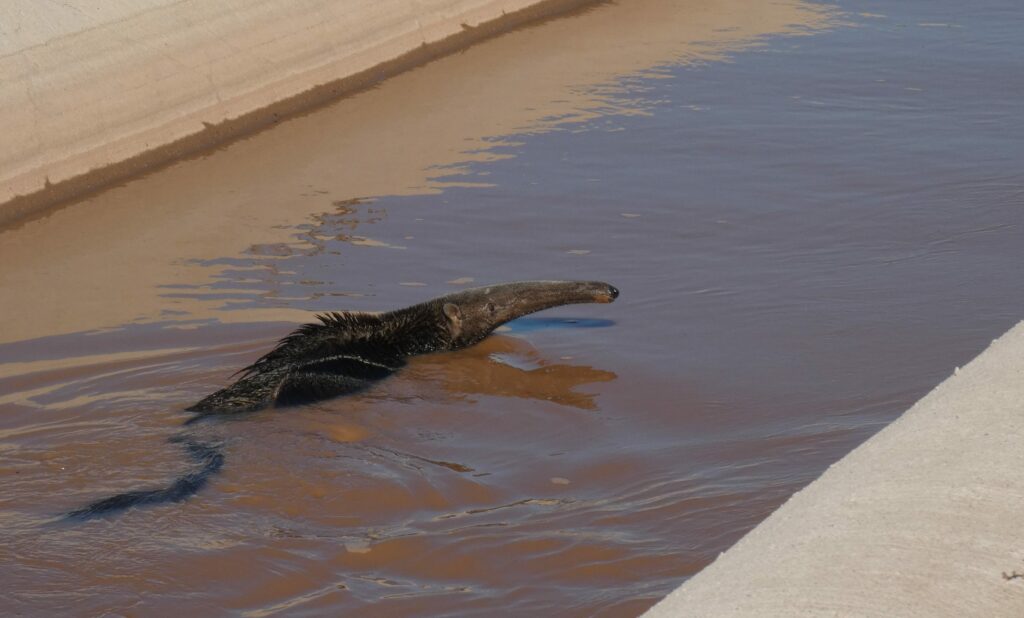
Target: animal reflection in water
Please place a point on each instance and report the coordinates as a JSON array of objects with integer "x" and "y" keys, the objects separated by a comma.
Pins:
[
  {"x": 500, "y": 366},
  {"x": 347, "y": 352},
  {"x": 505, "y": 366}
]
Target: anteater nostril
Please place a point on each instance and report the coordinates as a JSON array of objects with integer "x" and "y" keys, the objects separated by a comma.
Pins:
[{"x": 613, "y": 291}]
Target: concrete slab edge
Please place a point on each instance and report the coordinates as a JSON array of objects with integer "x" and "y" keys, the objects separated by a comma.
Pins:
[
  {"x": 922, "y": 520},
  {"x": 92, "y": 108}
]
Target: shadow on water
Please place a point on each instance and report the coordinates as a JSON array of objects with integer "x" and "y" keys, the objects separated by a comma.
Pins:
[{"x": 529, "y": 325}]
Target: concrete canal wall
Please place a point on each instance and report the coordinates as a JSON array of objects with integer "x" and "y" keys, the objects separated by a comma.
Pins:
[
  {"x": 94, "y": 92},
  {"x": 923, "y": 520}
]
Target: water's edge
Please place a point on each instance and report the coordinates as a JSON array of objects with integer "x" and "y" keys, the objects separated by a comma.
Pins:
[
  {"x": 97, "y": 147},
  {"x": 933, "y": 497},
  {"x": 812, "y": 224}
]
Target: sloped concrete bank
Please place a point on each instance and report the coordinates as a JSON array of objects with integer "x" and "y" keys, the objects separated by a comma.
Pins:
[
  {"x": 95, "y": 92},
  {"x": 922, "y": 520}
]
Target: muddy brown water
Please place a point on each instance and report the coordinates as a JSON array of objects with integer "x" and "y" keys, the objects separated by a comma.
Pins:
[{"x": 814, "y": 213}]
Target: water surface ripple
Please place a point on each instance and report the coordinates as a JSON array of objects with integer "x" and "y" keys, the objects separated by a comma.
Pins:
[{"x": 814, "y": 214}]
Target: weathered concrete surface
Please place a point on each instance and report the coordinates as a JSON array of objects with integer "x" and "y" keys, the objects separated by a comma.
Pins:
[
  {"x": 87, "y": 85},
  {"x": 923, "y": 520}
]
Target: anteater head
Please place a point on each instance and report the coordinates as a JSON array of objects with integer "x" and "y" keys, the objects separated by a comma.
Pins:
[{"x": 473, "y": 314}]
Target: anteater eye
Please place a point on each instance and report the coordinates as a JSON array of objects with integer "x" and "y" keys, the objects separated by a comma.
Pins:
[{"x": 489, "y": 307}]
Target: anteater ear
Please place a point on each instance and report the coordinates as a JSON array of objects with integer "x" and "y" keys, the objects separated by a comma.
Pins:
[
  {"x": 454, "y": 315},
  {"x": 452, "y": 312}
]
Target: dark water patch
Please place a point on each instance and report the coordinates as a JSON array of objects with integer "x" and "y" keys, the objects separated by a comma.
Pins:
[{"x": 526, "y": 325}]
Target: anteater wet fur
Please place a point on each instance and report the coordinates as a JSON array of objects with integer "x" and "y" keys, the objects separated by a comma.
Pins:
[{"x": 346, "y": 352}]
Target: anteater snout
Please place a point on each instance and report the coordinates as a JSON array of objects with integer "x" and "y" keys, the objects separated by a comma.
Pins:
[{"x": 608, "y": 294}]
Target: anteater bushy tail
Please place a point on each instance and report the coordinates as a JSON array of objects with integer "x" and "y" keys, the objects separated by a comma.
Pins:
[{"x": 211, "y": 460}]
